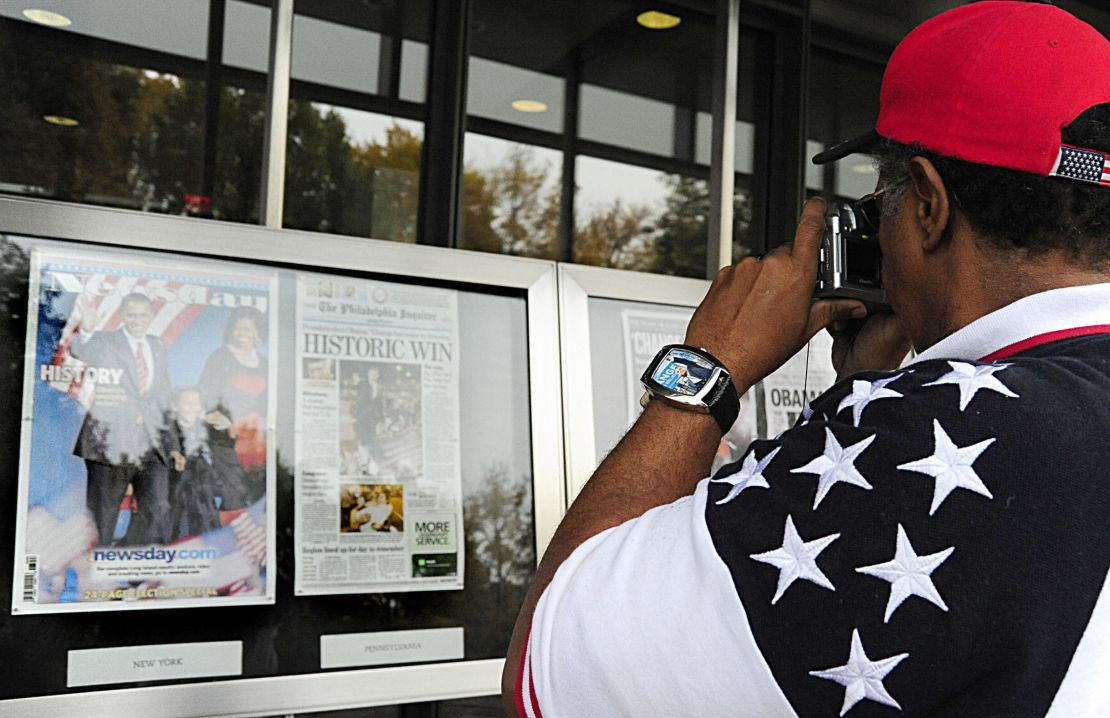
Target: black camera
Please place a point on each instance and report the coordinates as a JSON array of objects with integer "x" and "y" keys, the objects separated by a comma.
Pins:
[{"x": 850, "y": 263}]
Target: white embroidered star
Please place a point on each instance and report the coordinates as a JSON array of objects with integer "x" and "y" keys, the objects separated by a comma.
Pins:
[
  {"x": 797, "y": 559},
  {"x": 971, "y": 378},
  {"x": 865, "y": 392},
  {"x": 749, "y": 476},
  {"x": 951, "y": 466},
  {"x": 861, "y": 677},
  {"x": 908, "y": 574},
  {"x": 835, "y": 465}
]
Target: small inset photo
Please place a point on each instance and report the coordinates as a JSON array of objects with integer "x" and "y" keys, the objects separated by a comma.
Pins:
[
  {"x": 371, "y": 508},
  {"x": 319, "y": 369},
  {"x": 380, "y": 420}
]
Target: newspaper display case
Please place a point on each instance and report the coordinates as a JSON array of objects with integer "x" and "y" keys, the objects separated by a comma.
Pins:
[
  {"x": 495, "y": 402},
  {"x": 612, "y": 323},
  {"x": 598, "y": 376}
]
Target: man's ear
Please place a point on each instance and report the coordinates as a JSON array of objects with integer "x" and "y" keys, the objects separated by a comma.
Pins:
[{"x": 932, "y": 210}]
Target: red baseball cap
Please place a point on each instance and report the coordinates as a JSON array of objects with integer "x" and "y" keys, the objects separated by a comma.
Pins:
[{"x": 994, "y": 82}]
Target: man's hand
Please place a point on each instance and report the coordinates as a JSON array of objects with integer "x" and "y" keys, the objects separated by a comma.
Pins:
[
  {"x": 178, "y": 460},
  {"x": 217, "y": 421},
  {"x": 90, "y": 316},
  {"x": 878, "y": 342},
  {"x": 759, "y": 312}
]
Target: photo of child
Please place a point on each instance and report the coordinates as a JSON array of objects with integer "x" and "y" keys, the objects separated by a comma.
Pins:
[{"x": 193, "y": 479}]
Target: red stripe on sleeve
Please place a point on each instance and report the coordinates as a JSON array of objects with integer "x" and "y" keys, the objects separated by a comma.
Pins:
[
  {"x": 520, "y": 677},
  {"x": 533, "y": 701},
  {"x": 532, "y": 693}
]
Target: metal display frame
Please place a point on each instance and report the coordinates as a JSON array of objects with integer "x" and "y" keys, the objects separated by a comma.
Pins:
[
  {"x": 577, "y": 286},
  {"x": 333, "y": 690}
]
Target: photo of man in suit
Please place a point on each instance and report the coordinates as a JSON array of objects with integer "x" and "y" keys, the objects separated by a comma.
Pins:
[{"x": 124, "y": 438}]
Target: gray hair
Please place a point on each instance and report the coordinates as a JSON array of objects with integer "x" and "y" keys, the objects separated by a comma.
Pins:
[{"x": 892, "y": 162}]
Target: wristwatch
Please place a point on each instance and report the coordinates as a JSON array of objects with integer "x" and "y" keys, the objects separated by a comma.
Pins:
[{"x": 691, "y": 378}]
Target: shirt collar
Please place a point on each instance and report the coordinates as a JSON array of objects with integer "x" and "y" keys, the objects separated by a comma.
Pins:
[
  {"x": 1051, "y": 312},
  {"x": 134, "y": 341}
]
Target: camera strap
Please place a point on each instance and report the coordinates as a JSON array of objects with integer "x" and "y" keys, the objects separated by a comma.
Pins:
[{"x": 805, "y": 376}]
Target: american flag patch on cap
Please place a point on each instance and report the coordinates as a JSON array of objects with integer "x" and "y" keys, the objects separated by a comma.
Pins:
[{"x": 1082, "y": 165}]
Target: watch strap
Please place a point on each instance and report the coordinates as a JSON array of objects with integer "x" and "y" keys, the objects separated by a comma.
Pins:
[{"x": 724, "y": 403}]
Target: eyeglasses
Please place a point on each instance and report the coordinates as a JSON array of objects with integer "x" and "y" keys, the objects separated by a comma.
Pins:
[{"x": 869, "y": 210}]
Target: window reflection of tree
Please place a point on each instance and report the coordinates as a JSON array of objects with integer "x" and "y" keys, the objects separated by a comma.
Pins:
[
  {"x": 500, "y": 556},
  {"x": 140, "y": 145},
  {"x": 499, "y": 545},
  {"x": 14, "y": 273},
  {"x": 511, "y": 207},
  {"x": 140, "y": 138}
]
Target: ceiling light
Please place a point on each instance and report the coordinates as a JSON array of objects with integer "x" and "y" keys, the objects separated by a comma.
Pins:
[
  {"x": 61, "y": 120},
  {"x": 863, "y": 168},
  {"x": 46, "y": 17},
  {"x": 529, "y": 106},
  {"x": 655, "y": 20}
]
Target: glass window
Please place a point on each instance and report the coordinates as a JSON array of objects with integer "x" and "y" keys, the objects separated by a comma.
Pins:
[
  {"x": 646, "y": 89},
  {"x": 107, "y": 103},
  {"x": 637, "y": 218},
  {"x": 855, "y": 176},
  {"x": 352, "y": 172},
  {"x": 633, "y": 89},
  {"x": 646, "y": 220},
  {"x": 843, "y": 102},
  {"x": 510, "y": 197},
  {"x": 616, "y": 225},
  {"x": 352, "y": 62},
  {"x": 815, "y": 179},
  {"x": 494, "y": 462},
  {"x": 177, "y": 28},
  {"x": 247, "y": 36},
  {"x": 628, "y": 120},
  {"x": 877, "y": 20},
  {"x": 414, "y": 70},
  {"x": 624, "y": 337},
  {"x": 355, "y": 123},
  {"x": 500, "y": 91},
  {"x": 745, "y": 142}
]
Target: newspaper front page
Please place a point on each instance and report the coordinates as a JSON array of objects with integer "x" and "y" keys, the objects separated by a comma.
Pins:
[
  {"x": 378, "y": 477},
  {"x": 646, "y": 331},
  {"x": 805, "y": 376},
  {"x": 147, "y": 459}
]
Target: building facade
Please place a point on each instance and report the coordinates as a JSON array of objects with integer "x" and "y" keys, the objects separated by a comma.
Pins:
[{"x": 494, "y": 151}]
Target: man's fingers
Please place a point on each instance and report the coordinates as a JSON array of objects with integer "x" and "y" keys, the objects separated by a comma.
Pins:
[
  {"x": 827, "y": 312},
  {"x": 807, "y": 238}
]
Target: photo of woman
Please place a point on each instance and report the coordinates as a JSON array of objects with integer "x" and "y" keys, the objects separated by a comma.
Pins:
[{"x": 233, "y": 390}]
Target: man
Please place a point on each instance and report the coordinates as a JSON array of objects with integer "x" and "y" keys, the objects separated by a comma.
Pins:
[
  {"x": 368, "y": 405},
  {"x": 125, "y": 437},
  {"x": 927, "y": 540}
]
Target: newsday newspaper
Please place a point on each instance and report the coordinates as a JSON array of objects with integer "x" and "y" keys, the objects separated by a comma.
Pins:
[{"x": 147, "y": 463}]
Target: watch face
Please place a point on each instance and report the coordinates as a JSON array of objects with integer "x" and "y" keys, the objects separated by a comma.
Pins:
[{"x": 682, "y": 372}]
